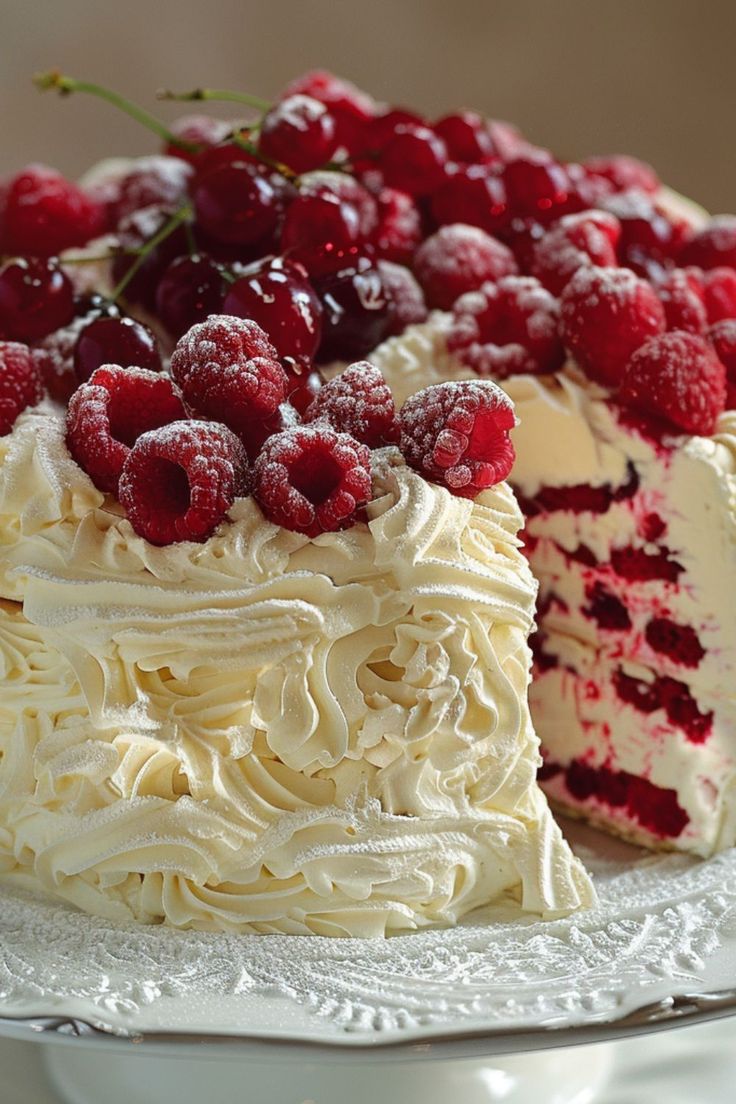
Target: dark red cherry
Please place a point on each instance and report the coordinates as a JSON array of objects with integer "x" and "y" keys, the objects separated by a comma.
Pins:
[
  {"x": 473, "y": 195},
  {"x": 133, "y": 234},
  {"x": 357, "y": 312},
  {"x": 536, "y": 185},
  {"x": 191, "y": 289},
  {"x": 236, "y": 204},
  {"x": 320, "y": 231},
  {"x": 36, "y": 298},
  {"x": 299, "y": 132},
  {"x": 302, "y": 385},
  {"x": 467, "y": 137},
  {"x": 414, "y": 160},
  {"x": 121, "y": 341},
  {"x": 277, "y": 294}
]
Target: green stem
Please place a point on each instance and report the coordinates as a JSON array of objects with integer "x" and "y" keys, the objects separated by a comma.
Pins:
[
  {"x": 198, "y": 95},
  {"x": 166, "y": 230},
  {"x": 65, "y": 86}
]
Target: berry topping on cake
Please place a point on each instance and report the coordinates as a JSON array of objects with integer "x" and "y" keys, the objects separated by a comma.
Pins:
[
  {"x": 299, "y": 132},
  {"x": 457, "y": 434},
  {"x": 237, "y": 204},
  {"x": 200, "y": 132},
  {"x": 358, "y": 402},
  {"x": 157, "y": 181},
  {"x": 607, "y": 313},
  {"x": 399, "y": 229},
  {"x": 467, "y": 137},
  {"x": 472, "y": 194},
  {"x": 190, "y": 290},
  {"x": 536, "y": 185},
  {"x": 357, "y": 312},
  {"x": 42, "y": 213},
  {"x": 229, "y": 371},
  {"x": 414, "y": 159},
  {"x": 107, "y": 415},
  {"x": 719, "y": 290},
  {"x": 179, "y": 481},
  {"x": 277, "y": 294},
  {"x": 587, "y": 238},
  {"x": 20, "y": 383},
  {"x": 678, "y": 377},
  {"x": 312, "y": 479},
  {"x": 682, "y": 295},
  {"x": 623, "y": 173},
  {"x": 507, "y": 327},
  {"x": 112, "y": 340},
  {"x": 650, "y": 237},
  {"x": 456, "y": 259},
  {"x": 350, "y": 107},
  {"x": 723, "y": 338},
  {"x": 406, "y": 298},
  {"x": 714, "y": 246},
  {"x": 36, "y": 298}
]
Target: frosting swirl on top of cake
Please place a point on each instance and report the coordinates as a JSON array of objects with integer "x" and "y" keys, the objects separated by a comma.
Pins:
[{"x": 266, "y": 732}]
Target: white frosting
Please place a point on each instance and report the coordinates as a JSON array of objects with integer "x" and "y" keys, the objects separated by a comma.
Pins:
[
  {"x": 265, "y": 732},
  {"x": 568, "y": 434}
]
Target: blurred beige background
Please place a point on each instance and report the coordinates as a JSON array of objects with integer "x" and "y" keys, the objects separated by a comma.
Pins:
[{"x": 651, "y": 77}]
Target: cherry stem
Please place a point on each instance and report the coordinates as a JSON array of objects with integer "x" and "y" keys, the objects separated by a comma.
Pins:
[
  {"x": 197, "y": 95},
  {"x": 65, "y": 86},
  {"x": 166, "y": 230},
  {"x": 249, "y": 147}
]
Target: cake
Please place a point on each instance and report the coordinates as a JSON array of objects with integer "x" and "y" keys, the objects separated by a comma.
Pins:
[
  {"x": 265, "y": 609},
  {"x": 259, "y": 672}
]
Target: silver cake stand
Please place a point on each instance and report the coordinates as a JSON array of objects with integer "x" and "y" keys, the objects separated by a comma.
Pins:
[{"x": 489, "y": 1011}]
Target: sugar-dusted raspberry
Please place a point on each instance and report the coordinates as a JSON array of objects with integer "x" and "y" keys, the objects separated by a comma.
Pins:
[
  {"x": 456, "y": 259},
  {"x": 358, "y": 402},
  {"x": 714, "y": 246},
  {"x": 20, "y": 383},
  {"x": 623, "y": 173},
  {"x": 682, "y": 295},
  {"x": 719, "y": 290},
  {"x": 457, "y": 434},
  {"x": 179, "y": 481},
  {"x": 156, "y": 181},
  {"x": 607, "y": 313},
  {"x": 587, "y": 238},
  {"x": 312, "y": 479},
  {"x": 507, "y": 327},
  {"x": 108, "y": 414},
  {"x": 42, "y": 213},
  {"x": 678, "y": 377},
  {"x": 229, "y": 371},
  {"x": 723, "y": 338},
  {"x": 406, "y": 298},
  {"x": 399, "y": 229}
]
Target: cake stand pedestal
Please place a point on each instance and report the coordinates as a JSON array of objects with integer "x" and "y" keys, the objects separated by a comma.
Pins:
[{"x": 555, "y": 1077}]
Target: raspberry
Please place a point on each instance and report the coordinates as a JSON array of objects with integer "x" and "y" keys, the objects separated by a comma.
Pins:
[
  {"x": 42, "y": 213},
  {"x": 457, "y": 434},
  {"x": 650, "y": 237},
  {"x": 229, "y": 371},
  {"x": 719, "y": 288},
  {"x": 682, "y": 296},
  {"x": 456, "y": 259},
  {"x": 677, "y": 376},
  {"x": 588, "y": 238},
  {"x": 623, "y": 173},
  {"x": 312, "y": 479},
  {"x": 156, "y": 181},
  {"x": 607, "y": 313},
  {"x": 358, "y": 402},
  {"x": 723, "y": 338},
  {"x": 714, "y": 246},
  {"x": 108, "y": 414},
  {"x": 179, "y": 481},
  {"x": 406, "y": 298},
  {"x": 507, "y": 328},
  {"x": 20, "y": 383},
  {"x": 399, "y": 229}
]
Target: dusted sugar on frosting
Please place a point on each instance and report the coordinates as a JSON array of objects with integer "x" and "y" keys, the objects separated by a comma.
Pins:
[
  {"x": 633, "y": 541},
  {"x": 265, "y": 732}
]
